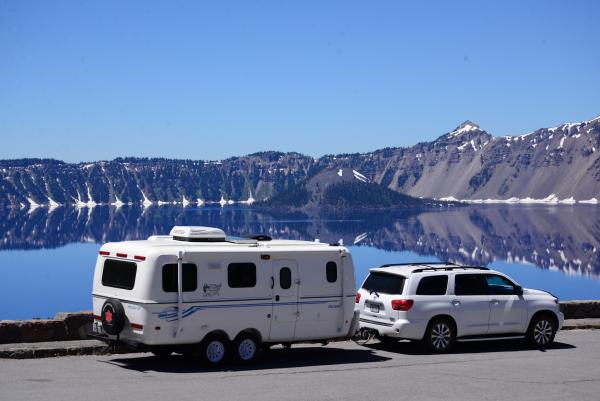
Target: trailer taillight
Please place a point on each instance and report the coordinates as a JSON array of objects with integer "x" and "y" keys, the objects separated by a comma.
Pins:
[
  {"x": 402, "y": 304},
  {"x": 135, "y": 326}
]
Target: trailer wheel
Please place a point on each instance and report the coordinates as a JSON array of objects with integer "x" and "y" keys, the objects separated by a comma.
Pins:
[
  {"x": 247, "y": 348},
  {"x": 112, "y": 316},
  {"x": 214, "y": 350}
]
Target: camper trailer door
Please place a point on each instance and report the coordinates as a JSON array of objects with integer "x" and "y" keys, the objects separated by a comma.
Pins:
[{"x": 285, "y": 300}]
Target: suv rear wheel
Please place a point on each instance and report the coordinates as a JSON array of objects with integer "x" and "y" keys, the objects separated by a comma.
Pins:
[
  {"x": 541, "y": 331},
  {"x": 440, "y": 335}
]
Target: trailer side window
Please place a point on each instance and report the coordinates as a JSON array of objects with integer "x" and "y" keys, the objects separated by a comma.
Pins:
[
  {"x": 119, "y": 274},
  {"x": 189, "y": 277},
  {"x": 285, "y": 278},
  {"x": 331, "y": 272},
  {"x": 241, "y": 275}
]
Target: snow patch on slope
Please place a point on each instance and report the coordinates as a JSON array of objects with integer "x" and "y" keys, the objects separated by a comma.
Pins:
[{"x": 359, "y": 176}]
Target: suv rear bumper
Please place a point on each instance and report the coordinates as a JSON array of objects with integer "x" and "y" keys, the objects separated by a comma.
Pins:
[{"x": 401, "y": 328}]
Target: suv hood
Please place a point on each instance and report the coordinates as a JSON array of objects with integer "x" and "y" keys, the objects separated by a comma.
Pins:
[{"x": 530, "y": 291}]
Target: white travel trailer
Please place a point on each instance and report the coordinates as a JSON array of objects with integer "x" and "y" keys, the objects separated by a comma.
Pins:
[{"x": 197, "y": 291}]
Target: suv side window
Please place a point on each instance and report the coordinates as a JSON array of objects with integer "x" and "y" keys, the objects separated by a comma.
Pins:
[
  {"x": 498, "y": 285},
  {"x": 433, "y": 285},
  {"x": 470, "y": 284}
]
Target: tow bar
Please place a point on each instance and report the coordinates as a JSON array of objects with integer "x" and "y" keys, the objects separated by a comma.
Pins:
[{"x": 363, "y": 336}]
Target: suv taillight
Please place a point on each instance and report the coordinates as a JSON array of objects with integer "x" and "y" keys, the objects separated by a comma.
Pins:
[
  {"x": 402, "y": 304},
  {"x": 357, "y": 297}
]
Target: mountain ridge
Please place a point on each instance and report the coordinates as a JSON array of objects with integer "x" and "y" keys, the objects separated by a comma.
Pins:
[{"x": 549, "y": 165}]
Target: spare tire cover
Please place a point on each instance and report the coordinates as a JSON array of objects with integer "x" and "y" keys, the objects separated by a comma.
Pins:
[{"x": 113, "y": 316}]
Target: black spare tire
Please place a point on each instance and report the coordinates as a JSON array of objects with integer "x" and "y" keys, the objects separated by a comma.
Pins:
[{"x": 113, "y": 316}]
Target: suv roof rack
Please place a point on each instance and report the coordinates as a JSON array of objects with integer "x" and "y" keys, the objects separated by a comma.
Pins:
[
  {"x": 427, "y": 266},
  {"x": 455, "y": 267},
  {"x": 419, "y": 264}
]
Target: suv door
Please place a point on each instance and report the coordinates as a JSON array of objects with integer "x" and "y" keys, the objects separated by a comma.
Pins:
[
  {"x": 508, "y": 311},
  {"x": 470, "y": 305},
  {"x": 285, "y": 300}
]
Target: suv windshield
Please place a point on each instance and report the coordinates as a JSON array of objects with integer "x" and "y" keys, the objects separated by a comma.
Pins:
[{"x": 384, "y": 283}]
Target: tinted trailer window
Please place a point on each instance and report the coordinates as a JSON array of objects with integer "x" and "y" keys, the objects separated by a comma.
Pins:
[
  {"x": 383, "y": 283},
  {"x": 119, "y": 274}
]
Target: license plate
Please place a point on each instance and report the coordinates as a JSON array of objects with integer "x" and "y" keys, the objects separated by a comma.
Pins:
[
  {"x": 97, "y": 328},
  {"x": 374, "y": 308}
]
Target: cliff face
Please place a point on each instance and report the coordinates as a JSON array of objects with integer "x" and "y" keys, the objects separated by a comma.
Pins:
[
  {"x": 133, "y": 180},
  {"x": 467, "y": 163}
]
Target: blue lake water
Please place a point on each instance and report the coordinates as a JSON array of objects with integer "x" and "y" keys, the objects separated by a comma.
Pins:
[{"x": 47, "y": 256}]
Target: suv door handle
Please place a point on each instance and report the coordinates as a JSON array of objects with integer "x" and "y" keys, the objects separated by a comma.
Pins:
[
  {"x": 494, "y": 302},
  {"x": 276, "y": 297},
  {"x": 456, "y": 302}
]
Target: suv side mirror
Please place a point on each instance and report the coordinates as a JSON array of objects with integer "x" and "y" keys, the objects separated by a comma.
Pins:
[{"x": 518, "y": 290}]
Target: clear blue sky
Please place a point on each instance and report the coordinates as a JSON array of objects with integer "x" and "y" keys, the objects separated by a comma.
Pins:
[{"x": 91, "y": 80}]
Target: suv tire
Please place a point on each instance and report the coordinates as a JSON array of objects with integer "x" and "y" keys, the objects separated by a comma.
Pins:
[
  {"x": 440, "y": 335},
  {"x": 542, "y": 330}
]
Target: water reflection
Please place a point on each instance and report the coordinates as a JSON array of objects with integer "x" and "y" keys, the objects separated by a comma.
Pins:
[{"x": 555, "y": 238}]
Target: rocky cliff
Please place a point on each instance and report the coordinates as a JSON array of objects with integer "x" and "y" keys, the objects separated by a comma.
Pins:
[{"x": 548, "y": 165}]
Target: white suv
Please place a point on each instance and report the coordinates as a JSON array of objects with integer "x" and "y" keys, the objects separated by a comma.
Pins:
[{"x": 441, "y": 303}]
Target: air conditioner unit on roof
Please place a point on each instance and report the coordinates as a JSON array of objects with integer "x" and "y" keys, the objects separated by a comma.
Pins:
[{"x": 197, "y": 234}]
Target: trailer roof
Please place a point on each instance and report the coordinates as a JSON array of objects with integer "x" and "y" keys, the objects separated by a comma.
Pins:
[{"x": 169, "y": 245}]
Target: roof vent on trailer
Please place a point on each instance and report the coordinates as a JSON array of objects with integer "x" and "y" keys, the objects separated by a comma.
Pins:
[{"x": 197, "y": 234}]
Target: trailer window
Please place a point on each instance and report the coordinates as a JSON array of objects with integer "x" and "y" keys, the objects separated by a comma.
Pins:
[
  {"x": 331, "y": 272},
  {"x": 119, "y": 274},
  {"x": 189, "y": 276},
  {"x": 241, "y": 275},
  {"x": 285, "y": 278}
]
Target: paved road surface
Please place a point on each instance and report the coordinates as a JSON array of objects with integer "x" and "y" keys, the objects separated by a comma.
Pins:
[{"x": 570, "y": 370}]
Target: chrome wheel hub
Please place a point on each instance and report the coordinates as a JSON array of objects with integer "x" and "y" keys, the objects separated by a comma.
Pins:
[
  {"x": 440, "y": 336},
  {"x": 247, "y": 349},
  {"x": 215, "y": 351},
  {"x": 542, "y": 332}
]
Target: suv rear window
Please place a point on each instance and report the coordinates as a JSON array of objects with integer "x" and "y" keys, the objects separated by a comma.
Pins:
[
  {"x": 433, "y": 285},
  {"x": 119, "y": 274},
  {"x": 384, "y": 283}
]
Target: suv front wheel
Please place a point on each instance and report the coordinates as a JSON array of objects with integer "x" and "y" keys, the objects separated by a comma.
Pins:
[
  {"x": 440, "y": 335},
  {"x": 541, "y": 331}
]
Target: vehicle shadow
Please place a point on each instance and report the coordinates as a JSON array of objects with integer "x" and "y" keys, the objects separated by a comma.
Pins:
[
  {"x": 471, "y": 347},
  {"x": 276, "y": 358}
]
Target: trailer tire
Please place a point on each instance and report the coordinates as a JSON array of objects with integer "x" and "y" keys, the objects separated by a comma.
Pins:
[
  {"x": 247, "y": 348},
  {"x": 215, "y": 349},
  {"x": 112, "y": 316}
]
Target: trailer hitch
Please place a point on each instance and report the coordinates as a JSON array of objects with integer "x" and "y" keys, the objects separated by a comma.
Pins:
[{"x": 364, "y": 335}]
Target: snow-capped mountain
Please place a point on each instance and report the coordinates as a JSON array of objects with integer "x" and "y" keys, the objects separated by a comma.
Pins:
[{"x": 550, "y": 165}]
